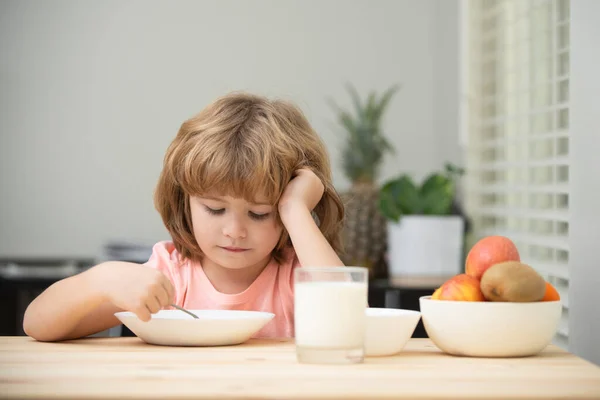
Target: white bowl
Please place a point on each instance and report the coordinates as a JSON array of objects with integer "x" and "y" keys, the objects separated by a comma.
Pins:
[
  {"x": 490, "y": 329},
  {"x": 213, "y": 328},
  {"x": 388, "y": 330}
]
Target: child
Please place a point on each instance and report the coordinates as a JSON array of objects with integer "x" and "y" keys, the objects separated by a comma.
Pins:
[{"x": 246, "y": 195}]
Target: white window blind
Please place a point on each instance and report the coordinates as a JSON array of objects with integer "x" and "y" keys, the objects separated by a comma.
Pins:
[{"x": 518, "y": 131}]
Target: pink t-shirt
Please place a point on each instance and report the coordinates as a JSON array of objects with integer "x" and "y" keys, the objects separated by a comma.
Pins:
[{"x": 272, "y": 291}]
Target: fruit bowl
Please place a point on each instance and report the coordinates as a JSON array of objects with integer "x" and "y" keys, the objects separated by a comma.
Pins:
[{"x": 490, "y": 329}]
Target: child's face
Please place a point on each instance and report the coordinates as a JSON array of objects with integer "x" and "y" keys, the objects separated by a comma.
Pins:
[{"x": 234, "y": 233}]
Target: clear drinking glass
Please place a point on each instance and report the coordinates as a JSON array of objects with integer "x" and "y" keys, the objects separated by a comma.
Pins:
[{"x": 329, "y": 314}]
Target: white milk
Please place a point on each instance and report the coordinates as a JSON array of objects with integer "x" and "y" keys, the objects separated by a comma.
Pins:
[{"x": 330, "y": 314}]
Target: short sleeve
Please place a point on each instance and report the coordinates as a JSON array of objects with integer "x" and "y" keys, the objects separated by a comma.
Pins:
[{"x": 165, "y": 258}]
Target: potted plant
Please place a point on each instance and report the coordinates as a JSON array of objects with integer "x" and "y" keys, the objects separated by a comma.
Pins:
[
  {"x": 425, "y": 227},
  {"x": 364, "y": 230}
]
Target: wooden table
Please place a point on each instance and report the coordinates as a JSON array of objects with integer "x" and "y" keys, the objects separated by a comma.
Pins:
[{"x": 119, "y": 368}]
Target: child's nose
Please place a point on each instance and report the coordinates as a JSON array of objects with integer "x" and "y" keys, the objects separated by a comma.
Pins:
[{"x": 234, "y": 228}]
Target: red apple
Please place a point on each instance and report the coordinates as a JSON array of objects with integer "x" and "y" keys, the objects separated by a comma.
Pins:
[
  {"x": 489, "y": 251},
  {"x": 460, "y": 288}
]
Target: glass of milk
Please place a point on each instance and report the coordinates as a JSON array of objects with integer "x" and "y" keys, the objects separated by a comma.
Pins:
[{"x": 329, "y": 314}]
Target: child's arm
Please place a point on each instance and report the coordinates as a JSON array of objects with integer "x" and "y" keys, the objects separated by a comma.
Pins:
[
  {"x": 85, "y": 303},
  {"x": 300, "y": 196}
]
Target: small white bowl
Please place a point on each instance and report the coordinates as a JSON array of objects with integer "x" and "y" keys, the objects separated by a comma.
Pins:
[
  {"x": 388, "y": 330},
  {"x": 490, "y": 329},
  {"x": 213, "y": 328}
]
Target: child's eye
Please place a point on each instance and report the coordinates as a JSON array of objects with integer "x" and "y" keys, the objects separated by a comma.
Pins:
[
  {"x": 215, "y": 211},
  {"x": 259, "y": 217}
]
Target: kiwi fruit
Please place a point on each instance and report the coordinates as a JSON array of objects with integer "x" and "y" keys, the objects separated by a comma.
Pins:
[{"x": 512, "y": 281}]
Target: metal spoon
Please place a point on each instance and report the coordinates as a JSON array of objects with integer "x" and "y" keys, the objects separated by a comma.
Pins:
[{"x": 185, "y": 311}]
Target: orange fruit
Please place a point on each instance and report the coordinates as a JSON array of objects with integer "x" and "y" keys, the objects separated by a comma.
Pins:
[{"x": 551, "y": 293}]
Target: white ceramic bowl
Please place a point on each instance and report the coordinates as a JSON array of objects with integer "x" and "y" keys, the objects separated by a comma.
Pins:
[
  {"x": 388, "y": 330},
  {"x": 490, "y": 329},
  {"x": 213, "y": 328}
]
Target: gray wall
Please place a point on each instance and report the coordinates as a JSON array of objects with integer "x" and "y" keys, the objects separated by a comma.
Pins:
[
  {"x": 93, "y": 92},
  {"x": 584, "y": 199},
  {"x": 447, "y": 82}
]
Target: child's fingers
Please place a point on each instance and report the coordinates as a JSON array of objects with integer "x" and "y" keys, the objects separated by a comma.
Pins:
[
  {"x": 143, "y": 313},
  {"x": 169, "y": 289},
  {"x": 163, "y": 297},
  {"x": 153, "y": 303}
]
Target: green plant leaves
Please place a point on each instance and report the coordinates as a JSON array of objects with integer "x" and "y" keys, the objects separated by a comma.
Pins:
[
  {"x": 452, "y": 169},
  {"x": 435, "y": 196},
  {"x": 388, "y": 206},
  {"x": 400, "y": 196}
]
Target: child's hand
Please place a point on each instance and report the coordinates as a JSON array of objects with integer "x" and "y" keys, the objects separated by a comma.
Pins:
[
  {"x": 136, "y": 288},
  {"x": 305, "y": 189}
]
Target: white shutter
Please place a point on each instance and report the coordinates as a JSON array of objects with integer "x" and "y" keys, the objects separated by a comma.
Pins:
[{"x": 517, "y": 181}]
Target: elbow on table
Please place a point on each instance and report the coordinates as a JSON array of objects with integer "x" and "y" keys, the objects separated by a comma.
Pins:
[{"x": 34, "y": 327}]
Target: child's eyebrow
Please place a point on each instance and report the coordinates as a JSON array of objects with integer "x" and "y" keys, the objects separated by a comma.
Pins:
[
  {"x": 225, "y": 201},
  {"x": 260, "y": 204}
]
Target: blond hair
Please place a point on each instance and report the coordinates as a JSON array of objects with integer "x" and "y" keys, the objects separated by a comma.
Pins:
[{"x": 243, "y": 145}]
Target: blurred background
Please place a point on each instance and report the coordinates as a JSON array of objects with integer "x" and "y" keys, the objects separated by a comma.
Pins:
[{"x": 493, "y": 100}]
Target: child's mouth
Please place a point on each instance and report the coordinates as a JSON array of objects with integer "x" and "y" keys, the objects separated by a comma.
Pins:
[{"x": 234, "y": 249}]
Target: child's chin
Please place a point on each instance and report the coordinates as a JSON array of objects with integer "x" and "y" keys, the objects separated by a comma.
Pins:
[
  {"x": 233, "y": 260},
  {"x": 239, "y": 261}
]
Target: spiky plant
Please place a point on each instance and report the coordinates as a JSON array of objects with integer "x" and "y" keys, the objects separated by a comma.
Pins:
[{"x": 364, "y": 232}]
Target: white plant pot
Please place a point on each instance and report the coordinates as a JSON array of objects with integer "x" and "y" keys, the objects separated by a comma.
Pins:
[{"x": 422, "y": 245}]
